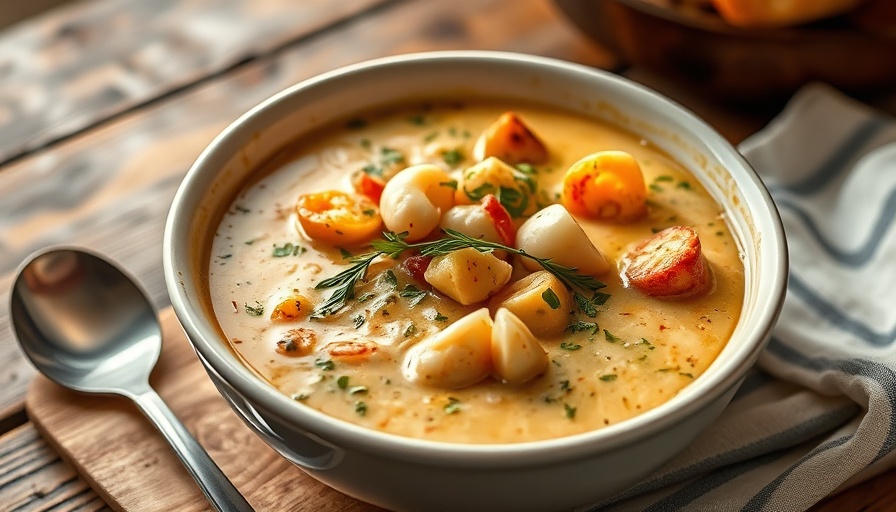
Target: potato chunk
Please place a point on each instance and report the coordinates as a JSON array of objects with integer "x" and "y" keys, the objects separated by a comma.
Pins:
[
  {"x": 517, "y": 190},
  {"x": 517, "y": 356},
  {"x": 467, "y": 275},
  {"x": 530, "y": 300},
  {"x": 553, "y": 233},
  {"x": 509, "y": 139},
  {"x": 454, "y": 358}
]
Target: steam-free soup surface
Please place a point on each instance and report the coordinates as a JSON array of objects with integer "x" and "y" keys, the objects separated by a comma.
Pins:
[{"x": 634, "y": 354}]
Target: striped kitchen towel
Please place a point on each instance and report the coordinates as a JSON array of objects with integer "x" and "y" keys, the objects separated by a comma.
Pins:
[{"x": 819, "y": 413}]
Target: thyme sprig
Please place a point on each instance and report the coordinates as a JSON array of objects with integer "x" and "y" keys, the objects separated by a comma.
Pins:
[{"x": 394, "y": 244}]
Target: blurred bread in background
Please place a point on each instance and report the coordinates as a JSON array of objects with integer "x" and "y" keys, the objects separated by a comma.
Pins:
[{"x": 780, "y": 13}]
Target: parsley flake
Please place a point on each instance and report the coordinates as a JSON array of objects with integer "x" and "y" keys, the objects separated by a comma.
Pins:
[
  {"x": 569, "y": 410},
  {"x": 612, "y": 338},
  {"x": 550, "y": 298},
  {"x": 453, "y": 406},
  {"x": 610, "y": 377},
  {"x": 568, "y": 345},
  {"x": 256, "y": 310},
  {"x": 360, "y": 408},
  {"x": 325, "y": 364}
]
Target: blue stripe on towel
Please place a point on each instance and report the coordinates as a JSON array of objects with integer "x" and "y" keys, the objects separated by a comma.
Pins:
[
  {"x": 769, "y": 445},
  {"x": 838, "y": 160},
  {"x": 864, "y": 253},
  {"x": 879, "y": 373},
  {"x": 827, "y": 310},
  {"x": 761, "y": 499}
]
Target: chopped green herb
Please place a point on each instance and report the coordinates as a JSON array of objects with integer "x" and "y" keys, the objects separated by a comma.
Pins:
[
  {"x": 360, "y": 408},
  {"x": 664, "y": 177},
  {"x": 413, "y": 294},
  {"x": 373, "y": 170},
  {"x": 325, "y": 364},
  {"x": 389, "y": 156},
  {"x": 437, "y": 317},
  {"x": 250, "y": 242},
  {"x": 612, "y": 338},
  {"x": 589, "y": 306},
  {"x": 684, "y": 185},
  {"x": 225, "y": 256},
  {"x": 410, "y": 331},
  {"x": 564, "y": 386},
  {"x": 452, "y": 156},
  {"x": 370, "y": 212},
  {"x": 345, "y": 254},
  {"x": 688, "y": 375},
  {"x": 610, "y": 377},
  {"x": 342, "y": 382},
  {"x": 526, "y": 168},
  {"x": 256, "y": 310},
  {"x": 550, "y": 298},
  {"x": 300, "y": 397},
  {"x": 569, "y": 410},
  {"x": 288, "y": 249},
  {"x": 366, "y": 297},
  {"x": 358, "y": 321},
  {"x": 390, "y": 279},
  {"x": 242, "y": 209},
  {"x": 655, "y": 187},
  {"x": 418, "y": 120},
  {"x": 643, "y": 341},
  {"x": 450, "y": 184},
  {"x": 568, "y": 345},
  {"x": 453, "y": 406},
  {"x": 580, "y": 326}
]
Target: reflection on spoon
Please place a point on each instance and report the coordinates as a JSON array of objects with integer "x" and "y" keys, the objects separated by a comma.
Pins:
[{"x": 87, "y": 326}]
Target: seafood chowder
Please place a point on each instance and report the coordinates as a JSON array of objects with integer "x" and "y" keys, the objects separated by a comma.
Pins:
[{"x": 476, "y": 273}]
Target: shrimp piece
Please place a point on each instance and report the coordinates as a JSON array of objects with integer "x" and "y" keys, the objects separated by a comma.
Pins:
[
  {"x": 668, "y": 264},
  {"x": 292, "y": 308},
  {"x": 517, "y": 356},
  {"x": 553, "y": 233},
  {"x": 296, "y": 342},
  {"x": 606, "y": 185},
  {"x": 413, "y": 201},
  {"x": 351, "y": 351},
  {"x": 515, "y": 188},
  {"x": 338, "y": 218},
  {"x": 488, "y": 220},
  {"x": 454, "y": 358},
  {"x": 509, "y": 139}
]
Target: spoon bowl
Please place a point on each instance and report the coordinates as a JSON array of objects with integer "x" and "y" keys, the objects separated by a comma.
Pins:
[{"x": 88, "y": 326}]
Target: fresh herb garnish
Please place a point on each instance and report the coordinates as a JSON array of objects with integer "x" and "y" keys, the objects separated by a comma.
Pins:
[
  {"x": 393, "y": 245},
  {"x": 452, "y": 156},
  {"x": 550, "y": 298},
  {"x": 288, "y": 249},
  {"x": 389, "y": 156},
  {"x": 358, "y": 321},
  {"x": 410, "y": 331},
  {"x": 569, "y": 410},
  {"x": 342, "y": 382},
  {"x": 413, "y": 294},
  {"x": 452, "y": 184},
  {"x": 325, "y": 364},
  {"x": 580, "y": 326},
  {"x": 453, "y": 406},
  {"x": 612, "y": 338},
  {"x": 360, "y": 408},
  {"x": 256, "y": 310},
  {"x": 345, "y": 254},
  {"x": 568, "y": 345},
  {"x": 610, "y": 377},
  {"x": 390, "y": 279}
]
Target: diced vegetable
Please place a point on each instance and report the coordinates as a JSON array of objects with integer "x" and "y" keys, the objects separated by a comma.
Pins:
[
  {"x": 509, "y": 139},
  {"x": 467, "y": 275},
  {"x": 454, "y": 358},
  {"x": 606, "y": 185},
  {"x": 531, "y": 299},
  {"x": 338, "y": 218},
  {"x": 517, "y": 356},
  {"x": 553, "y": 233}
]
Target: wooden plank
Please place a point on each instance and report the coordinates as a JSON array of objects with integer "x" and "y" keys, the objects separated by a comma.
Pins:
[
  {"x": 110, "y": 189},
  {"x": 81, "y": 64},
  {"x": 34, "y": 477},
  {"x": 129, "y": 464}
]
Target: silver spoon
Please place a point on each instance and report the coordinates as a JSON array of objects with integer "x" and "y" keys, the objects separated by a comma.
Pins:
[{"x": 89, "y": 327}]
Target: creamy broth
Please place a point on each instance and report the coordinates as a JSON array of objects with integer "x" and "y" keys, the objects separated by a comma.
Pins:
[{"x": 642, "y": 352}]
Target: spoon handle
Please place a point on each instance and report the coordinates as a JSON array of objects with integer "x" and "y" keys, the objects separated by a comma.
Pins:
[{"x": 214, "y": 483}]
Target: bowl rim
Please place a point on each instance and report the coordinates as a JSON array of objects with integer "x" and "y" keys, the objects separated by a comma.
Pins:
[{"x": 343, "y": 434}]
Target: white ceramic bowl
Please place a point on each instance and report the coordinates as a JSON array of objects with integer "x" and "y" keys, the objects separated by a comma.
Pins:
[{"x": 411, "y": 474}]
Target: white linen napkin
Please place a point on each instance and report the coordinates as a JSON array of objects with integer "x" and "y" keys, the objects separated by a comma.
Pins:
[{"x": 819, "y": 413}]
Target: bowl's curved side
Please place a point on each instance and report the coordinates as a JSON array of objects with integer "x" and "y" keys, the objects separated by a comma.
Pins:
[{"x": 525, "y": 473}]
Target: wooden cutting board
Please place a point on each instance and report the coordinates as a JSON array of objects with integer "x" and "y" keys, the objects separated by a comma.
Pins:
[{"x": 121, "y": 455}]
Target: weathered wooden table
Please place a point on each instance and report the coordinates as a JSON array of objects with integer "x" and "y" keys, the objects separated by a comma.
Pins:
[{"x": 104, "y": 105}]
